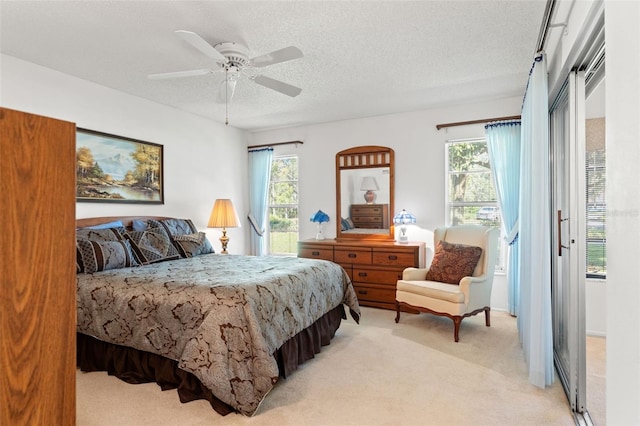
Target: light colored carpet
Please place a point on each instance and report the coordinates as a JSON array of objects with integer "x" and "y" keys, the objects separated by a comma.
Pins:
[
  {"x": 596, "y": 379},
  {"x": 375, "y": 373}
]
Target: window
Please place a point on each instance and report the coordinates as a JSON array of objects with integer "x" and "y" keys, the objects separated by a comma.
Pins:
[
  {"x": 283, "y": 206},
  {"x": 596, "y": 214},
  {"x": 470, "y": 195}
]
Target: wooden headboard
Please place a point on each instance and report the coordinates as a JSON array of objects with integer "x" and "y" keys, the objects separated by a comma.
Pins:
[{"x": 126, "y": 220}]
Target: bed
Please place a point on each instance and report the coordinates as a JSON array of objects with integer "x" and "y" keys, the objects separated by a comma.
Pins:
[{"x": 219, "y": 327}]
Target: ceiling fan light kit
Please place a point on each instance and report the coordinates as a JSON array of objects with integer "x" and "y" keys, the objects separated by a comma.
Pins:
[{"x": 233, "y": 59}]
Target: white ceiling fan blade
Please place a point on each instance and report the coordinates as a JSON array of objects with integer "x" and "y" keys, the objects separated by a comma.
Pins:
[
  {"x": 199, "y": 43},
  {"x": 278, "y": 86},
  {"x": 275, "y": 57},
  {"x": 191, "y": 73},
  {"x": 227, "y": 89}
]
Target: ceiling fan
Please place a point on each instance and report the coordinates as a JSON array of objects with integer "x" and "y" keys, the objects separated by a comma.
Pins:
[{"x": 232, "y": 59}]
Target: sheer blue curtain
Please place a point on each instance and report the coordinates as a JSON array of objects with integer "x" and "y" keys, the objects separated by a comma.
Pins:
[
  {"x": 534, "y": 313},
  {"x": 259, "y": 176},
  {"x": 503, "y": 143}
]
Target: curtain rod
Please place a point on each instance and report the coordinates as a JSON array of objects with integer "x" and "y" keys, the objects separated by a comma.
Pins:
[
  {"x": 274, "y": 144},
  {"x": 486, "y": 120}
]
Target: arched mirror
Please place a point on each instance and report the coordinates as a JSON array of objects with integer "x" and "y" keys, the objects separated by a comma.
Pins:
[{"x": 364, "y": 193}]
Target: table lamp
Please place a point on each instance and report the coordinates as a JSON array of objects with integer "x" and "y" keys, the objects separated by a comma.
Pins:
[
  {"x": 369, "y": 184},
  {"x": 319, "y": 217},
  {"x": 403, "y": 218},
  {"x": 223, "y": 215}
]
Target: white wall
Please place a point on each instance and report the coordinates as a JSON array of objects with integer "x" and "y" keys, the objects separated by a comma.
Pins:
[
  {"x": 419, "y": 163},
  {"x": 622, "y": 33},
  {"x": 596, "y": 306},
  {"x": 203, "y": 160}
]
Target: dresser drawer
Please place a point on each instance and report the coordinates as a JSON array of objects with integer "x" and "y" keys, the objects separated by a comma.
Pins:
[
  {"x": 362, "y": 257},
  {"x": 370, "y": 293},
  {"x": 316, "y": 253},
  {"x": 367, "y": 210},
  {"x": 378, "y": 276},
  {"x": 400, "y": 259},
  {"x": 349, "y": 270},
  {"x": 366, "y": 220}
]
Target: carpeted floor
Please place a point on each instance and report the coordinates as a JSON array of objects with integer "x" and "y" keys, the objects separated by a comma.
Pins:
[
  {"x": 596, "y": 379},
  {"x": 375, "y": 373}
]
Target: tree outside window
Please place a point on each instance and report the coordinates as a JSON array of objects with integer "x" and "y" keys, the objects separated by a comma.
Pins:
[
  {"x": 471, "y": 196},
  {"x": 283, "y": 206}
]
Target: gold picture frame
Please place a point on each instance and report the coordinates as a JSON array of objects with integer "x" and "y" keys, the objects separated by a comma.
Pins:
[{"x": 118, "y": 169}]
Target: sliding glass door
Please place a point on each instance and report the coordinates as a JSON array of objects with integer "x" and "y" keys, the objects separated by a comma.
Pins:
[
  {"x": 569, "y": 188},
  {"x": 568, "y": 266}
]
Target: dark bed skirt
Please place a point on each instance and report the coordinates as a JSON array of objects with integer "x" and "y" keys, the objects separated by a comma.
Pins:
[{"x": 134, "y": 366}]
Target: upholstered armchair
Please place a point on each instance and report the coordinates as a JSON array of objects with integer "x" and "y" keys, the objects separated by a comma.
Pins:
[{"x": 458, "y": 282}]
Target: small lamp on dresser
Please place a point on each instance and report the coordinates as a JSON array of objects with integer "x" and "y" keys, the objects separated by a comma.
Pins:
[
  {"x": 319, "y": 217},
  {"x": 403, "y": 218},
  {"x": 369, "y": 184},
  {"x": 223, "y": 215}
]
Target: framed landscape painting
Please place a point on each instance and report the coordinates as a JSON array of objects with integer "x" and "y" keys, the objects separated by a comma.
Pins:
[{"x": 117, "y": 169}]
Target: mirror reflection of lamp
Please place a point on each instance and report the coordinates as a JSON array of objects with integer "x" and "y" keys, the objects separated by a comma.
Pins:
[
  {"x": 369, "y": 184},
  {"x": 403, "y": 218},
  {"x": 319, "y": 217}
]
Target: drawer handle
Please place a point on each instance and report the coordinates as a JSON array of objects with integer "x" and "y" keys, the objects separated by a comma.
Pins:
[
  {"x": 392, "y": 257},
  {"x": 362, "y": 274},
  {"x": 352, "y": 255},
  {"x": 362, "y": 291},
  {"x": 315, "y": 253}
]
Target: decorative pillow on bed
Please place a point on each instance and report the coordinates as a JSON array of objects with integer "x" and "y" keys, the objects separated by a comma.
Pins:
[
  {"x": 109, "y": 234},
  {"x": 452, "y": 262},
  {"x": 97, "y": 256},
  {"x": 114, "y": 224},
  {"x": 139, "y": 225},
  {"x": 190, "y": 245},
  {"x": 175, "y": 226},
  {"x": 113, "y": 233},
  {"x": 153, "y": 245},
  {"x": 347, "y": 224}
]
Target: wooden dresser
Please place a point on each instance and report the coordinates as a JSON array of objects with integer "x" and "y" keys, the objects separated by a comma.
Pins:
[
  {"x": 373, "y": 266},
  {"x": 372, "y": 216},
  {"x": 38, "y": 303}
]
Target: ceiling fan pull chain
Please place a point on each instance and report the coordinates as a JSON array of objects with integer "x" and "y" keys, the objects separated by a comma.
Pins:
[{"x": 226, "y": 95}]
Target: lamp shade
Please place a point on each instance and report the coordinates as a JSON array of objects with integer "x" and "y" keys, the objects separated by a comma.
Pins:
[
  {"x": 404, "y": 217},
  {"x": 369, "y": 183},
  {"x": 319, "y": 217},
  {"x": 223, "y": 215}
]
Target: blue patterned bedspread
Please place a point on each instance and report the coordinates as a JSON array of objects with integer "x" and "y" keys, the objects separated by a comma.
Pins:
[{"x": 221, "y": 317}]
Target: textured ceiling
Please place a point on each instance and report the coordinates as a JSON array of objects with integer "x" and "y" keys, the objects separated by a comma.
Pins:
[{"x": 361, "y": 58}]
